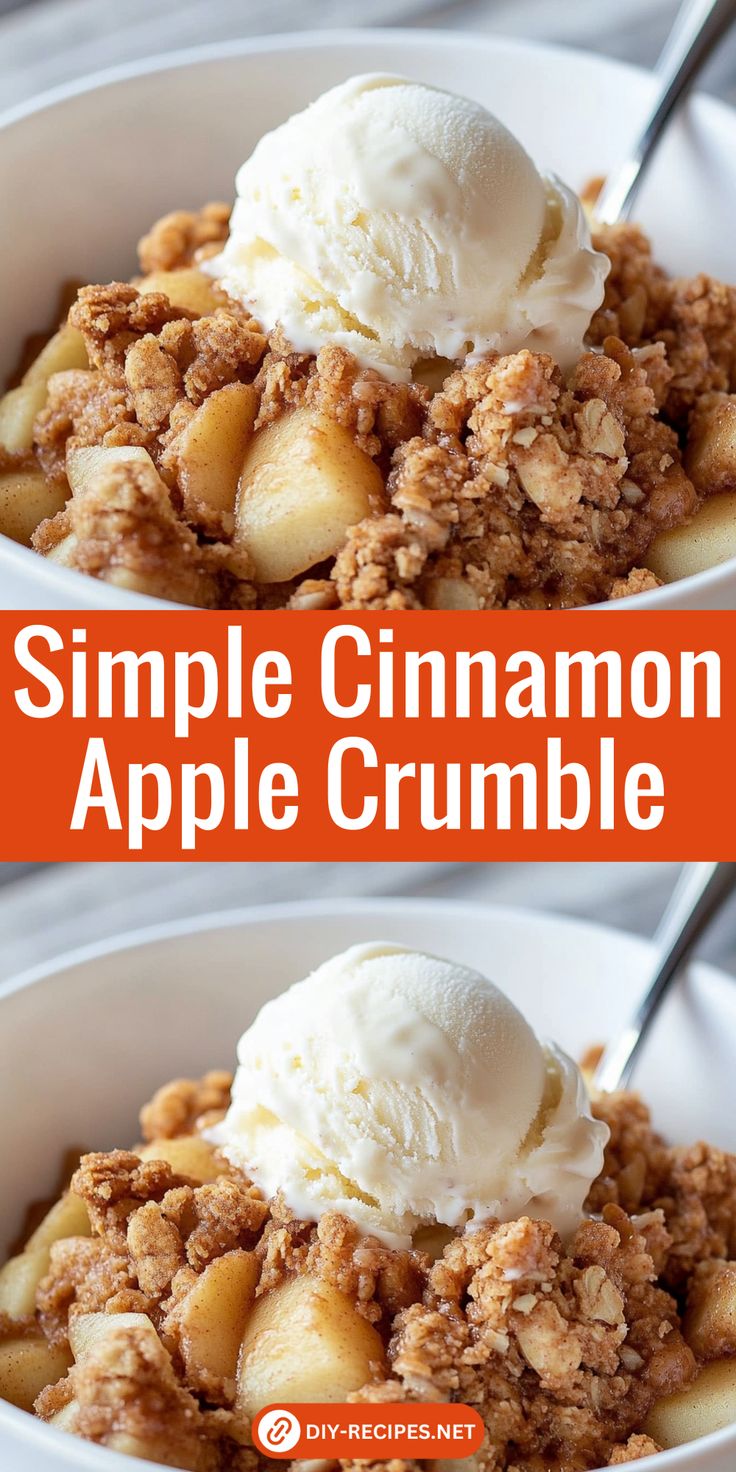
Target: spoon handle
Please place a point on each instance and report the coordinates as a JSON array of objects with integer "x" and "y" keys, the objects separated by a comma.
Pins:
[
  {"x": 698, "y": 895},
  {"x": 699, "y": 26}
]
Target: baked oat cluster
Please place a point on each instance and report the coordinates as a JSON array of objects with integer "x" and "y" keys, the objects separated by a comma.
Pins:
[
  {"x": 162, "y": 1302},
  {"x": 211, "y": 465}
]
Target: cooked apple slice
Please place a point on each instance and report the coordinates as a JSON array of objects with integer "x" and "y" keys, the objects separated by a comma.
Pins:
[
  {"x": 20, "y": 1277},
  {"x": 212, "y": 1318},
  {"x": 86, "y": 461},
  {"x": 450, "y": 594},
  {"x": 64, "y": 552},
  {"x": 19, "y": 407},
  {"x": 707, "y": 1404},
  {"x": 27, "y": 1366},
  {"x": 88, "y": 1331},
  {"x": 63, "y": 351},
  {"x": 19, "y": 1280},
  {"x": 66, "y": 1419},
  {"x": 710, "y": 459},
  {"x": 305, "y": 1341},
  {"x": 188, "y": 1155},
  {"x": 304, "y": 484},
  {"x": 26, "y": 499},
  {"x": 706, "y": 541},
  {"x": 68, "y": 1217},
  {"x": 18, "y": 410},
  {"x": 187, "y": 288},
  {"x": 710, "y": 1322},
  {"x": 104, "y": 1338},
  {"x": 211, "y": 451},
  {"x": 154, "y": 1448}
]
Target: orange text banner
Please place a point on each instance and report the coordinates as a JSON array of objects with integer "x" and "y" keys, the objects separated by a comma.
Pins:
[
  {"x": 367, "y": 1431},
  {"x": 282, "y": 736}
]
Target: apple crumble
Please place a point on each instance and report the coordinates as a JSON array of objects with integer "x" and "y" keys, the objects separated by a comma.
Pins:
[
  {"x": 163, "y": 1301},
  {"x": 164, "y": 443}
]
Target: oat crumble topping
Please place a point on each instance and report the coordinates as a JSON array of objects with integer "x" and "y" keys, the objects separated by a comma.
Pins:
[
  {"x": 504, "y": 487},
  {"x": 562, "y": 1348}
]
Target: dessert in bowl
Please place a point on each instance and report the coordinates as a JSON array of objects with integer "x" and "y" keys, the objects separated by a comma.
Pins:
[
  {"x": 390, "y": 380},
  {"x": 451, "y": 1216}
]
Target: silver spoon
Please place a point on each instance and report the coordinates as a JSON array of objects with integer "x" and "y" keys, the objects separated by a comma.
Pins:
[
  {"x": 696, "y": 898},
  {"x": 699, "y": 27}
]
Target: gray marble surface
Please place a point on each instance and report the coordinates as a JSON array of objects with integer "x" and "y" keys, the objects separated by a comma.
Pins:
[
  {"x": 44, "y": 42},
  {"x": 49, "y": 910}
]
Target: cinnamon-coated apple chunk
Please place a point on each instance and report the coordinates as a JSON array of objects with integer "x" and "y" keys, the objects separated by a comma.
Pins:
[
  {"x": 149, "y": 1449},
  {"x": 706, "y": 541},
  {"x": 710, "y": 1322},
  {"x": 305, "y": 1341},
  {"x": 27, "y": 498},
  {"x": 450, "y": 595},
  {"x": 65, "y": 551},
  {"x": 19, "y": 1280},
  {"x": 19, "y": 407},
  {"x": 186, "y": 288},
  {"x": 304, "y": 484},
  {"x": 211, "y": 450},
  {"x": 18, "y": 410},
  {"x": 212, "y": 1319},
  {"x": 88, "y": 1332},
  {"x": 710, "y": 459},
  {"x": 66, "y": 1418},
  {"x": 707, "y": 1404},
  {"x": 85, "y": 462},
  {"x": 27, "y": 1366},
  {"x": 68, "y": 1217},
  {"x": 63, "y": 351},
  {"x": 20, "y": 1277},
  {"x": 188, "y": 1155},
  {"x": 118, "y": 1343}
]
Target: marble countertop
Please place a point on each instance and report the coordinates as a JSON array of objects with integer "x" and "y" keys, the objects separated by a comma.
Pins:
[
  {"x": 46, "y": 912},
  {"x": 45, "y": 42}
]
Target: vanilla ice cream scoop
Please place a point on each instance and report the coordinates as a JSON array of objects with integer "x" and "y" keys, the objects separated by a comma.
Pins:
[
  {"x": 405, "y": 223},
  {"x": 406, "y": 1091}
]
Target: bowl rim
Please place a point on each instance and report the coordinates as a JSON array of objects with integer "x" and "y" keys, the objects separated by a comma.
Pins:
[
  {"x": 71, "y": 1449},
  {"x": 715, "y": 110},
  {"x": 179, "y": 58},
  {"x": 244, "y": 915}
]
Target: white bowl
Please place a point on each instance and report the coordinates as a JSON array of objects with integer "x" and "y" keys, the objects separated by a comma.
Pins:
[
  {"x": 88, "y": 168},
  {"x": 85, "y": 1042}
]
